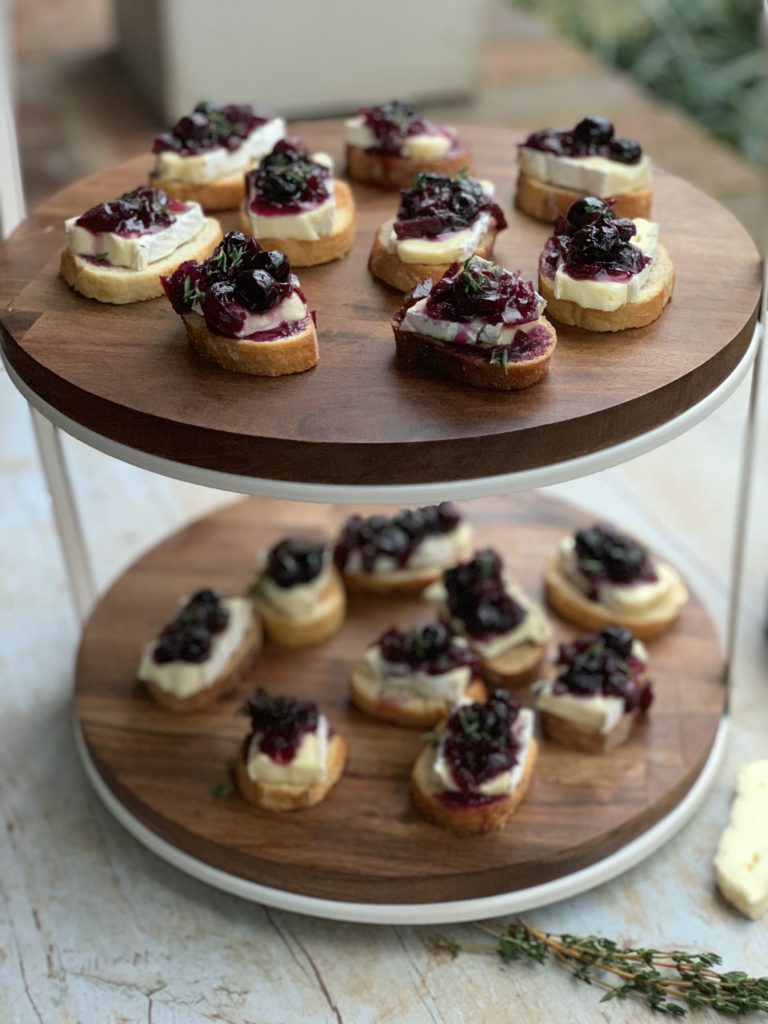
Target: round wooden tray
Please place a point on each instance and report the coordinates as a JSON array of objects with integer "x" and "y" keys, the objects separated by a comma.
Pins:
[
  {"x": 364, "y": 844},
  {"x": 125, "y": 374}
]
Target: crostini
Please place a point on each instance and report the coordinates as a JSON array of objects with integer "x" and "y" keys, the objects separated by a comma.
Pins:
[
  {"x": 415, "y": 677},
  {"x": 506, "y": 629},
  {"x": 245, "y": 310},
  {"x": 291, "y": 758},
  {"x": 203, "y": 653},
  {"x": 299, "y": 594},
  {"x": 596, "y": 692},
  {"x": 116, "y": 251},
  {"x": 479, "y": 324},
  {"x": 388, "y": 144},
  {"x": 477, "y": 770},
  {"x": 440, "y": 221},
  {"x": 402, "y": 553},
  {"x": 557, "y": 167},
  {"x": 601, "y": 576},
  {"x": 206, "y": 153}
]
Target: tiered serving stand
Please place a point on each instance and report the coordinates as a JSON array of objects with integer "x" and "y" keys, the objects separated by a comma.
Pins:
[{"x": 358, "y": 429}]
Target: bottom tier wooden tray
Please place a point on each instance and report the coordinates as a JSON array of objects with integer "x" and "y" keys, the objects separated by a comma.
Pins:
[{"x": 364, "y": 847}]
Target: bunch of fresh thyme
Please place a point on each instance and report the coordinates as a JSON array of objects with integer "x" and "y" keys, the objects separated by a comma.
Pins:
[{"x": 669, "y": 981}]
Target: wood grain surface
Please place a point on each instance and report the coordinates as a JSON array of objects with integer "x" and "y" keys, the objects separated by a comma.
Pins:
[
  {"x": 365, "y": 842},
  {"x": 128, "y": 374}
]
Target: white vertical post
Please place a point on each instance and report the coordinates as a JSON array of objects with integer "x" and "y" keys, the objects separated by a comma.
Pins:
[
  {"x": 11, "y": 192},
  {"x": 71, "y": 538}
]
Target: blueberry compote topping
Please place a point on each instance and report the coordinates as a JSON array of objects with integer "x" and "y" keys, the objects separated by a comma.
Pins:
[
  {"x": 240, "y": 277},
  {"x": 477, "y": 596},
  {"x": 431, "y": 649},
  {"x": 592, "y": 136},
  {"x": 209, "y": 127},
  {"x": 392, "y": 123},
  {"x": 604, "y": 555},
  {"x": 141, "y": 212},
  {"x": 288, "y": 179},
  {"x": 189, "y": 636},
  {"x": 279, "y": 724},
  {"x": 396, "y": 538},
  {"x": 435, "y": 204},
  {"x": 602, "y": 664},
  {"x": 592, "y": 243},
  {"x": 293, "y": 562},
  {"x": 480, "y": 740},
  {"x": 476, "y": 289}
]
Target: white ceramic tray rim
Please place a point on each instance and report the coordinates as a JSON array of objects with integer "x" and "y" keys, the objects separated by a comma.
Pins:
[
  {"x": 451, "y": 490},
  {"x": 455, "y": 911}
]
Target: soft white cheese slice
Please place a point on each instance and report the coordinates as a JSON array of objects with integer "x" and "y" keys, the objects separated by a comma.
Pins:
[
  {"x": 291, "y": 310},
  {"x": 598, "y": 714},
  {"x": 358, "y": 134},
  {"x": 427, "y": 146},
  {"x": 505, "y": 782},
  {"x": 438, "y": 551},
  {"x": 138, "y": 252},
  {"x": 450, "y": 247},
  {"x": 593, "y": 175},
  {"x": 307, "y": 768},
  {"x": 622, "y": 597},
  {"x": 308, "y": 226},
  {"x": 474, "y": 332},
  {"x": 610, "y": 295},
  {"x": 741, "y": 864},
  {"x": 297, "y": 602},
  {"x": 184, "y": 679},
  {"x": 220, "y": 162},
  {"x": 444, "y": 686}
]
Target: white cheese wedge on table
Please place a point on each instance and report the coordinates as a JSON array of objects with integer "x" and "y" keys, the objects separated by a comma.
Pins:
[{"x": 741, "y": 864}]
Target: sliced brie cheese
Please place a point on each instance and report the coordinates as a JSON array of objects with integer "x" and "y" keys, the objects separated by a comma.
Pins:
[
  {"x": 505, "y": 782},
  {"x": 594, "y": 175},
  {"x": 139, "y": 251},
  {"x": 307, "y": 767},
  {"x": 741, "y": 864},
  {"x": 598, "y": 714},
  {"x": 220, "y": 162},
  {"x": 426, "y": 146}
]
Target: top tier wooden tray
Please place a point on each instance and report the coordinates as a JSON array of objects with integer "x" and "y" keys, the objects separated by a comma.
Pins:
[{"x": 126, "y": 377}]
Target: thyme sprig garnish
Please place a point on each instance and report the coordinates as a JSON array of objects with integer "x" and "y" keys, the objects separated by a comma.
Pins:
[{"x": 671, "y": 982}]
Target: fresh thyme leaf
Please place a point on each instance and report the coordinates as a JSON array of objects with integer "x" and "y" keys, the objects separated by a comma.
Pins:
[
  {"x": 192, "y": 293},
  {"x": 471, "y": 278},
  {"x": 500, "y": 356},
  {"x": 223, "y": 790},
  {"x": 668, "y": 981}
]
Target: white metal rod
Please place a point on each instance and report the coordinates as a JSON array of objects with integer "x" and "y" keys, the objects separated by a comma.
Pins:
[{"x": 71, "y": 538}]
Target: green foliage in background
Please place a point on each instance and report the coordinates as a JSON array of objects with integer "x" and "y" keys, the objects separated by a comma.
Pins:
[{"x": 703, "y": 55}]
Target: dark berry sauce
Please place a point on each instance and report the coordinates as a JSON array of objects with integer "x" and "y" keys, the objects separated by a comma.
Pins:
[
  {"x": 603, "y": 555},
  {"x": 141, "y": 212},
  {"x": 190, "y": 635},
  {"x": 476, "y": 290},
  {"x": 476, "y": 596},
  {"x": 430, "y": 649},
  {"x": 592, "y": 136},
  {"x": 287, "y": 181},
  {"x": 293, "y": 562},
  {"x": 240, "y": 277},
  {"x": 592, "y": 244},
  {"x": 435, "y": 205},
  {"x": 396, "y": 537},
  {"x": 279, "y": 724},
  {"x": 392, "y": 123},
  {"x": 209, "y": 127},
  {"x": 480, "y": 742},
  {"x": 602, "y": 664}
]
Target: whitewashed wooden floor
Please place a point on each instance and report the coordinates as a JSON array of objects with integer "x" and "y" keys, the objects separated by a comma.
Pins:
[{"x": 94, "y": 930}]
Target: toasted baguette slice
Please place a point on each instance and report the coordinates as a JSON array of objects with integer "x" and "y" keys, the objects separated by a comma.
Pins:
[
  {"x": 457, "y": 362},
  {"x": 516, "y": 667},
  {"x": 413, "y": 713},
  {"x": 303, "y": 253},
  {"x": 120, "y": 285},
  {"x": 262, "y": 358},
  {"x": 547, "y": 202},
  {"x": 271, "y": 796},
  {"x": 398, "y": 171},
  {"x": 470, "y": 819},
  {"x": 654, "y": 296},
  {"x": 388, "y": 266},
  {"x": 325, "y": 620},
  {"x": 238, "y": 666},
  {"x": 225, "y": 193},
  {"x": 569, "y": 734},
  {"x": 574, "y": 607}
]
